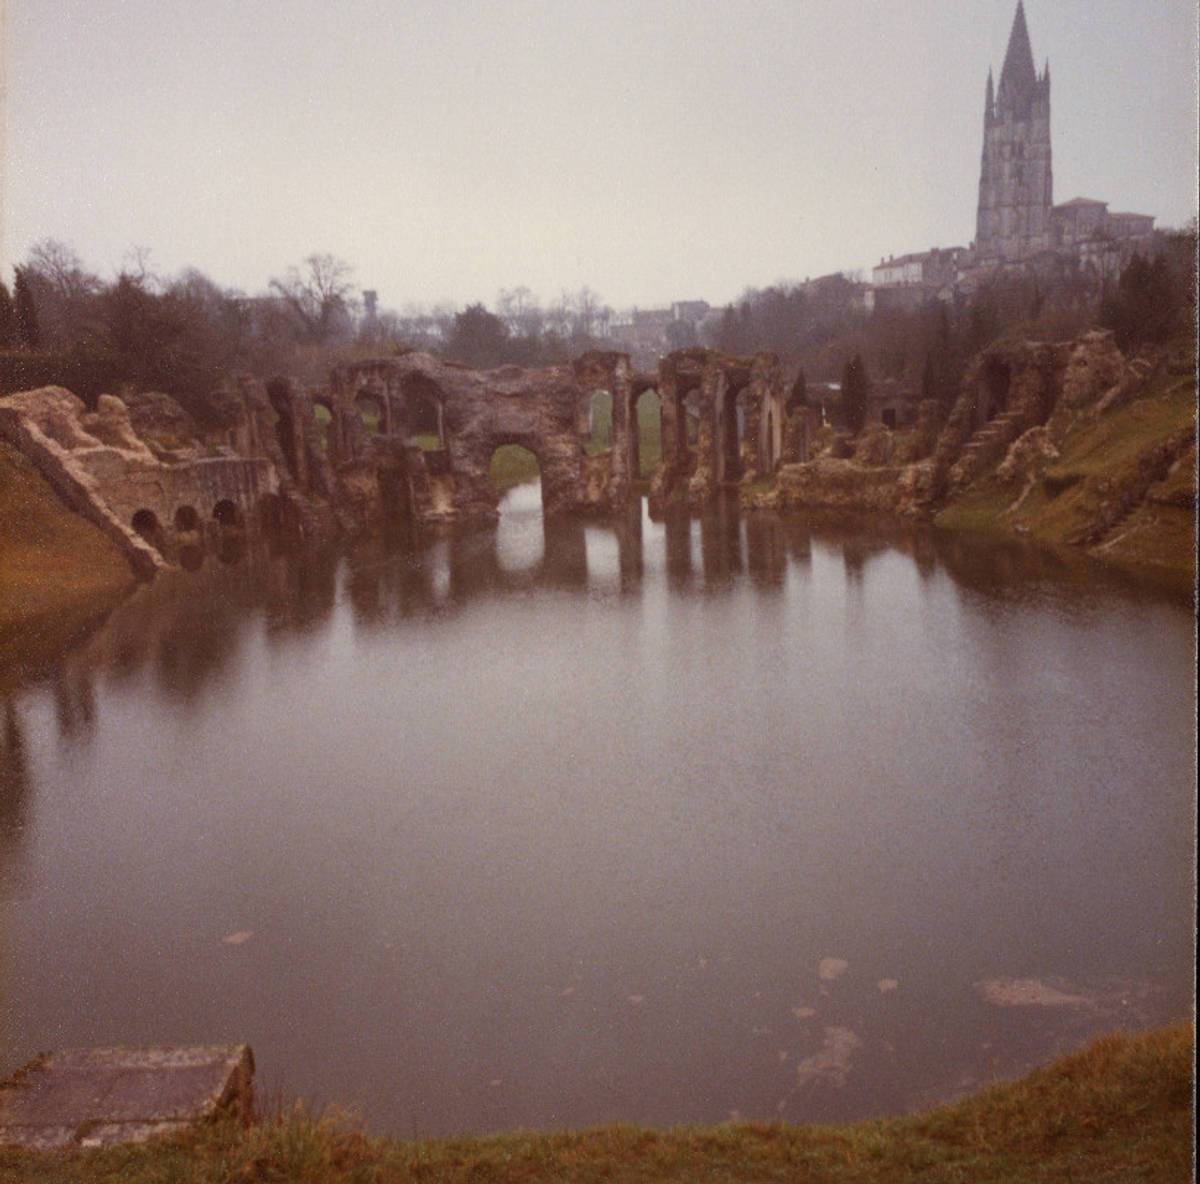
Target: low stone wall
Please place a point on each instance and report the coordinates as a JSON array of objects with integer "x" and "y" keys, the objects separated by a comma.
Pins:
[{"x": 99, "y": 466}]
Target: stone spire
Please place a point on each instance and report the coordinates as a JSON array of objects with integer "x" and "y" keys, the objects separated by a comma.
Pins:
[
  {"x": 1019, "y": 76},
  {"x": 989, "y": 103}
]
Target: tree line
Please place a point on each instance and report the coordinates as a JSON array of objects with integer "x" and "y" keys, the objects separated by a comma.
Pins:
[{"x": 185, "y": 333}]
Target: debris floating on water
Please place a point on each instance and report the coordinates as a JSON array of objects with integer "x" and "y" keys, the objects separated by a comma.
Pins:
[{"x": 832, "y": 968}]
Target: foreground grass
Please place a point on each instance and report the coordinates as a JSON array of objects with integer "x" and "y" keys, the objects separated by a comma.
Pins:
[
  {"x": 57, "y": 571},
  {"x": 1119, "y": 1111}
]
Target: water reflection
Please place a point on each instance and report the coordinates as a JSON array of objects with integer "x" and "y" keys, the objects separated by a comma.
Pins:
[{"x": 635, "y": 818}]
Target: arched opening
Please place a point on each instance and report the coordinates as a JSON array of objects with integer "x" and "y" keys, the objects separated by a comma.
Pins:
[
  {"x": 279, "y": 394},
  {"x": 146, "y": 523},
  {"x": 226, "y": 514},
  {"x": 187, "y": 519},
  {"x": 372, "y": 410},
  {"x": 520, "y": 532},
  {"x": 997, "y": 378},
  {"x": 323, "y": 417},
  {"x": 599, "y": 422},
  {"x": 513, "y": 465},
  {"x": 888, "y": 418},
  {"x": 647, "y": 435},
  {"x": 425, "y": 413}
]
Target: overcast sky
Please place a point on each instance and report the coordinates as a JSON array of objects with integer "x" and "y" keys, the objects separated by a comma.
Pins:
[{"x": 655, "y": 150}]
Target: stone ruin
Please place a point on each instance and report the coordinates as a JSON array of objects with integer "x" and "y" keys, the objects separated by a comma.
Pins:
[{"x": 410, "y": 436}]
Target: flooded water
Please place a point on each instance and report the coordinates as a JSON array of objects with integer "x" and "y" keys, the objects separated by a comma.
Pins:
[{"x": 658, "y": 823}]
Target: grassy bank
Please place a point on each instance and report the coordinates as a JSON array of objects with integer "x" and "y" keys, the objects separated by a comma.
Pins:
[
  {"x": 1104, "y": 461},
  {"x": 1119, "y": 1111},
  {"x": 58, "y": 572}
]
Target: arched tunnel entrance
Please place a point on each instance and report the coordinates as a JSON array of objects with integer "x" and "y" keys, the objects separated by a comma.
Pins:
[{"x": 520, "y": 531}]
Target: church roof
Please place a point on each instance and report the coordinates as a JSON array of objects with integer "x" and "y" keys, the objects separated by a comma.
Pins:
[
  {"x": 1080, "y": 201},
  {"x": 1019, "y": 71}
]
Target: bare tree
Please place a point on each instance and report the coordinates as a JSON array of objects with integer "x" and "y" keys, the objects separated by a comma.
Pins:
[
  {"x": 63, "y": 289},
  {"x": 319, "y": 296}
]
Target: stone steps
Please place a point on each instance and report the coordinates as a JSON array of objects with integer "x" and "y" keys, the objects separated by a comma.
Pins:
[{"x": 100, "y": 1097}]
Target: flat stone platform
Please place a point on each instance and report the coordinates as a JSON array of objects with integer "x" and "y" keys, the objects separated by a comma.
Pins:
[{"x": 99, "y": 1097}]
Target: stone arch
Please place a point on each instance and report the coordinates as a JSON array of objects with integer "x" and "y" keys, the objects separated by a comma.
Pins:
[
  {"x": 374, "y": 411},
  {"x": 226, "y": 514},
  {"x": 598, "y": 425},
  {"x": 145, "y": 522},
  {"x": 187, "y": 519},
  {"x": 424, "y": 413},
  {"x": 645, "y": 433}
]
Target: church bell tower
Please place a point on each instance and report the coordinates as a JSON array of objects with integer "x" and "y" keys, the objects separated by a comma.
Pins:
[{"x": 1016, "y": 182}]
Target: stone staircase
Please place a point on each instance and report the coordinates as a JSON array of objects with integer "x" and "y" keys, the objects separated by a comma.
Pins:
[{"x": 987, "y": 447}]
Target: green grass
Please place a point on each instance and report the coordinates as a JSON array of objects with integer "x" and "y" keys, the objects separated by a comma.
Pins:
[
  {"x": 58, "y": 572},
  {"x": 1099, "y": 456},
  {"x": 649, "y": 429},
  {"x": 1118, "y": 1112},
  {"x": 513, "y": 465}
]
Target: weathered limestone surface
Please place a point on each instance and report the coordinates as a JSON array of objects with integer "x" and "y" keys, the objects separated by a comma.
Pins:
[
  {"x": 831, "y": 484},
  {"x": 99, "y": 1097},
  {"x": 106, "y": 472},
  {"x": 1016, "y": 404},
  {"x": 410, "y": 435}
]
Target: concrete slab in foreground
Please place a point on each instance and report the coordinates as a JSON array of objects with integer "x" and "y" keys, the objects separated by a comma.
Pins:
[{"x": 97, "y": 1097}]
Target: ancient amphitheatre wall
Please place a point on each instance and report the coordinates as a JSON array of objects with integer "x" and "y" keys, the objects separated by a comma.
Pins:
[{"x": 410, "y": 436}]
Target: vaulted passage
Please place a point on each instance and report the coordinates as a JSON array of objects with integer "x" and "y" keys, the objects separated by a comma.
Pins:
[
  {"x": 226, "y": 514},
  {"x": 372, "y": 411},
  {"x": 146, "y": 523},
  {"x": 186, "y": 518}
]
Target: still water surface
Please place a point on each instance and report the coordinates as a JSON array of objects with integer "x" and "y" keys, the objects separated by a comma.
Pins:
[{"x": 659, "y": 823}]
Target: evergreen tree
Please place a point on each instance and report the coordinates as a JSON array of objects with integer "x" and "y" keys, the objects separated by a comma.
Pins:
[
  {"x": 8, "y": 319},
  {"x": 855, "y": 389},
  {"x": 29, "y": 335},
  {"x": 798, "y": 398},
  {"x": 1146, "y": 305}
]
